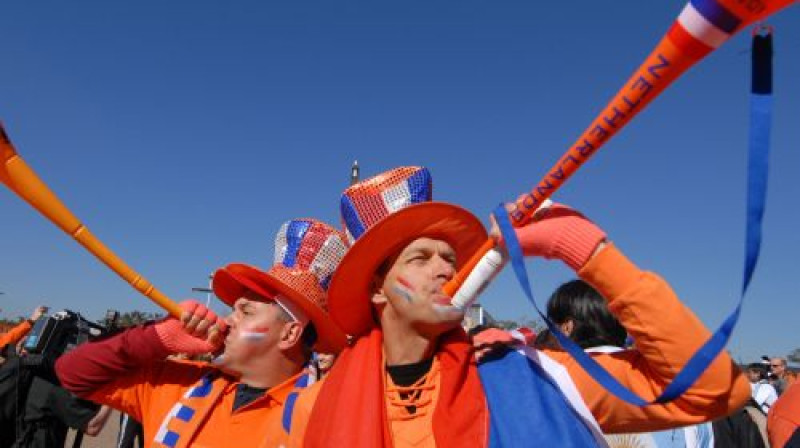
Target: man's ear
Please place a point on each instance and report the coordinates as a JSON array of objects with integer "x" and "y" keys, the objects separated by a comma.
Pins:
[
  {"x": 378, "y": 297},
  {"x": 291, "y": 335}
]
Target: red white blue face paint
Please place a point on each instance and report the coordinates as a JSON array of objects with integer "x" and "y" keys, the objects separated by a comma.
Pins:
[
  {"x": 254, "y": 335},
  {"x": 404, "y": 289}
]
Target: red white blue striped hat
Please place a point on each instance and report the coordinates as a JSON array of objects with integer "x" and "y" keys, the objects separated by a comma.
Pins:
[
  {"x": 381, "y": 216},
  {"x": 306, "y": 254}
]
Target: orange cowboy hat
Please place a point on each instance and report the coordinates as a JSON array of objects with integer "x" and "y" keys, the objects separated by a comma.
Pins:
[
  {"x": 306, "y": 254},
  {"x": 382, "y": 215}
]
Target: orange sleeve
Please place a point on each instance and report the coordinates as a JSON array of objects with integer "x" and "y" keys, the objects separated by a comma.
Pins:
[
  {"x": 784, "y": 417},
  {"x": 127, "y": 372},
  {"x": 16, "y": 333},
  {"x": 130, "y": 393},
  {"x": 666, "y": 334}
]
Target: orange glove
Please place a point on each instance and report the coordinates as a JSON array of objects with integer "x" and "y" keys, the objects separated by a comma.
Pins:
[
  {"x": 198, "y": 331},
  {"x": 563, "y": 233}
]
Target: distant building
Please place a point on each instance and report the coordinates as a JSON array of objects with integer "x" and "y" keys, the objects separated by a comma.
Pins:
[
  {"x": 355, "y": 173},
  {"x": 477, "y": 315}
]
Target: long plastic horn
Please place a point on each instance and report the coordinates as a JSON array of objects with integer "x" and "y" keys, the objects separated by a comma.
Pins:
[
  {"x": 701, "y": 27},
  {"x": 22, "y": 180}
]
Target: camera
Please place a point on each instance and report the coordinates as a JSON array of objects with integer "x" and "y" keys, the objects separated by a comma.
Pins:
[
  {"x": 769, "y": 374},
  {"x": 54, "y": 335}
]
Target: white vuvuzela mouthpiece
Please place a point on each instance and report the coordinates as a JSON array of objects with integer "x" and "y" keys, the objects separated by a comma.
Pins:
[{"x": 477, "y": 280}]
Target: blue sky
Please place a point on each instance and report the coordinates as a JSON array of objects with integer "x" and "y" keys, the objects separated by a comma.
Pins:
[{"x": 184, "y": 133}]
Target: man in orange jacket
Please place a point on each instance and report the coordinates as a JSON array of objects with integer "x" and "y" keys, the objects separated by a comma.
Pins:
[
  {"x": 410, "y": 378},
  {"x": 278, "y": 316}
]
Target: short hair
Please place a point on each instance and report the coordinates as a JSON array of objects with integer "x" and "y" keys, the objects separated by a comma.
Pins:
[
  {"x": 594, "y": 325},
  {"x": 782, "y": 360},
  {"x": 759, "y": 368},
  {"x": 309, "y": 337},
  {"x": 283, "y": 314}
]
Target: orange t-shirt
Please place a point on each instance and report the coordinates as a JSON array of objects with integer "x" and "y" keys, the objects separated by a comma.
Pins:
[{"x": 413, "y": 429}]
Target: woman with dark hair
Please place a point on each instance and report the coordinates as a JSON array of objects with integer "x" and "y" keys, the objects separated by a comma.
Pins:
[{"x": 583, "y": 315}]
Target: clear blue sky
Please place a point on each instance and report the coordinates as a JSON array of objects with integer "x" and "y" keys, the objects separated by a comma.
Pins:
[{"x": 184, "y": 133}]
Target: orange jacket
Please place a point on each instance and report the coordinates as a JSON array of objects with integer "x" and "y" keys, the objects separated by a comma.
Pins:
[
  {"x": 16, "y": 333},
  {"x": 666, "y": 335}
]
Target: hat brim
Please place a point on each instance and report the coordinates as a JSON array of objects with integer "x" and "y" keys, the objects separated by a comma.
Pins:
[
  {"x": 232, "y": 281},
  {"x": 349, "y": 292}
]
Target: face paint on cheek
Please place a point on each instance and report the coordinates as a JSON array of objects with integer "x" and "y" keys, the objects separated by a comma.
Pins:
[
  {"x": 404, "y": 289},
  {"x": 254, "y": 335}
]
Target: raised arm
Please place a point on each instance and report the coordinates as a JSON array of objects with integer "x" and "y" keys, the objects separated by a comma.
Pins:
[
  {"x": 116, "y": 371},
  {"x": 665, "y": 331}
]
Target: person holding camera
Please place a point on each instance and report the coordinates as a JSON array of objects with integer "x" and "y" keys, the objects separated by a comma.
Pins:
[
  {"x": 36, "y": 411},
  {"x": 20, "y": 331},
  {"x": 763, "y": 392}
]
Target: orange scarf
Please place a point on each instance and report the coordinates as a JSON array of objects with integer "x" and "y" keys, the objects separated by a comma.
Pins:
[{"x": 351, "y": 411}]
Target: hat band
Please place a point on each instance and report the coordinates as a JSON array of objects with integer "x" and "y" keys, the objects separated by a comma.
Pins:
[{"x": 294, "y": 311}]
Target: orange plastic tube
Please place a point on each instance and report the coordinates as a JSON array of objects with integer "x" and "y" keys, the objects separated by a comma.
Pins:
[
  {"x": 689, "y": 39},
  {"x": 22, "y": 180}
]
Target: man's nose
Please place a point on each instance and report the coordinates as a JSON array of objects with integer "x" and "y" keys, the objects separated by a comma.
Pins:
[
  {"x": 444, "y": 268},
  {"x": 229, "y": 319}
]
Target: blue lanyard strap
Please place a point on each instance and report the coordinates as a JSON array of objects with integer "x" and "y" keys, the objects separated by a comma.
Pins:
[{"x": 760, "y": 121}]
